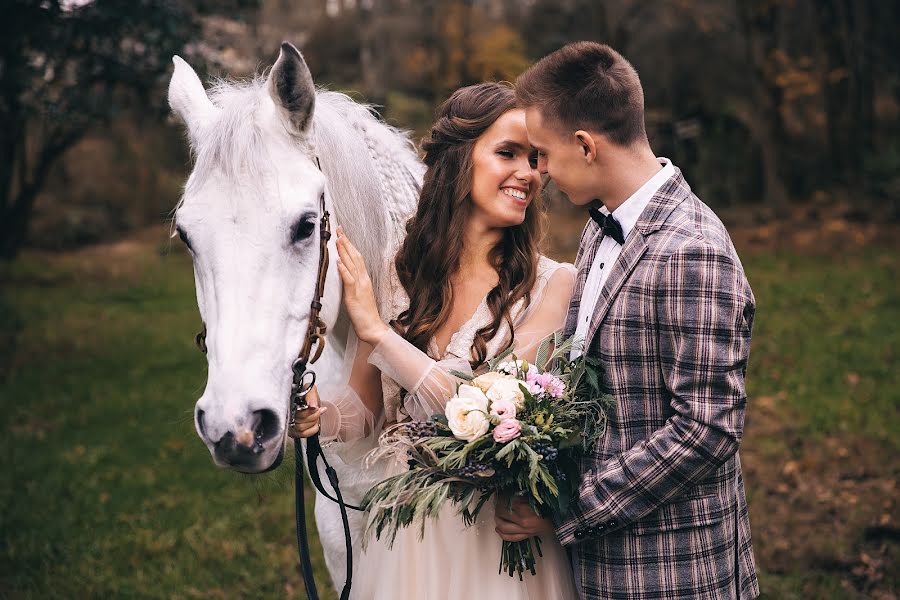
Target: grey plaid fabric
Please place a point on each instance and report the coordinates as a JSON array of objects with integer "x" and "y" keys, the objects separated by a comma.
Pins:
[{"x": 661, "y": 511}]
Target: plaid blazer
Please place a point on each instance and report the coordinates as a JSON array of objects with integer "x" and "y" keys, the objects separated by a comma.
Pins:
[{"x": 661, "y": 512}]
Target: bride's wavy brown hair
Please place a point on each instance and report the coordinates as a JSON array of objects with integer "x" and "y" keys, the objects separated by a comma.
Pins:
[{"x": 431, "y": 251}]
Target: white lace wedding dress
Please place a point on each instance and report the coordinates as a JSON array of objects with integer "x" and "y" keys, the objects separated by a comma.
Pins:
[{"x": 450, "y": 561}]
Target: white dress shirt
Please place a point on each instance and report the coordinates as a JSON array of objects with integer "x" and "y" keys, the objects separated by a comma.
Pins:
[{"x": 627, "y": 215}]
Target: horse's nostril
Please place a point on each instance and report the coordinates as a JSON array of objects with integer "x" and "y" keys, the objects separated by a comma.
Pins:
[
  {"x": 201, "y": 424},
  {"x": 266, "y": 425}
]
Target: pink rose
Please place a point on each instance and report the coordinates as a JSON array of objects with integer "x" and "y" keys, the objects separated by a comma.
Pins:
[
  {"x": 505, "y": 409},
  {"x": 507, "y": 431}
]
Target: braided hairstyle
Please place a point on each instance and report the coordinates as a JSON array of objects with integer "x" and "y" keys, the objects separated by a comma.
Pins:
[{"x": 431, "y": 251}]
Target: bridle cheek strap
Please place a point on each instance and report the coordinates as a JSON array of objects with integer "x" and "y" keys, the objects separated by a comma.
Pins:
[{"x": 303, "y": 381}]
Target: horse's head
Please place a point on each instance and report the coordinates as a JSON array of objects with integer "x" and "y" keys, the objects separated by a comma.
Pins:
[{"x": 250, "y": 217}]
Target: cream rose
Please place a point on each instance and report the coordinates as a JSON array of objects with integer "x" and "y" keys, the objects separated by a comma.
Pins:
[
  {"x": 507, "y": 389},
  {"x": 467, "y": 413},
  {"x": 484, "y": 382}
]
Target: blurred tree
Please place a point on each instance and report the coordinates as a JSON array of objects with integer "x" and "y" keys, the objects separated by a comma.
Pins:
[
  {"x": 68, "y": 65},
  {"x": 498, "y": 54},
  {"x": 847, "y": 36}
]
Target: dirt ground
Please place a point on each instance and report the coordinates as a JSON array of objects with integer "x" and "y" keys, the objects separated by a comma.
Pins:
[{"x": 828, "y": 506}]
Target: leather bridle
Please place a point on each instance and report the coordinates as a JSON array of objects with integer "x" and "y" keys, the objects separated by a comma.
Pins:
[{"x": 302, "y": 382}]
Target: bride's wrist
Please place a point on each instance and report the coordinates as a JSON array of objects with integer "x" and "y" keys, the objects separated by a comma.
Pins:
[{"x": 373, "y": 335}]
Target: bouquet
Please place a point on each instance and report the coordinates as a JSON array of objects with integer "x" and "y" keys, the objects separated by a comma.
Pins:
[{"x": 517, "y": 429}]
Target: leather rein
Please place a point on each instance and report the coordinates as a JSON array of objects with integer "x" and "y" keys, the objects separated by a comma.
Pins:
[{"x": 303, "y": 381}]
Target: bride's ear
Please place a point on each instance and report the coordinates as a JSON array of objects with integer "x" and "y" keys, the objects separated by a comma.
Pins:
[{"x": 588, "y": 145}]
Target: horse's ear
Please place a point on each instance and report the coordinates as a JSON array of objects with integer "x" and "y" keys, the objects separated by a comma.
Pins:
[
  {"x": 187, "y": 98},
  {"x": 292, "y": 90}
]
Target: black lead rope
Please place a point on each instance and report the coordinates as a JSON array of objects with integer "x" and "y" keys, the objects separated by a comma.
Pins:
[
  {"x": 306, "y": 569},
  {"x": 313, "y": 454}
]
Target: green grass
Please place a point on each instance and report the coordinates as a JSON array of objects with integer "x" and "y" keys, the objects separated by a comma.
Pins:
[
  {"x": 108, "y": 492},
  {"x": 827, "y": 339}
]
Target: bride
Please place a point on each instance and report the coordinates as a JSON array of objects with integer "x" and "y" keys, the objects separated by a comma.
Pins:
[{"x": 467, "y": 282}]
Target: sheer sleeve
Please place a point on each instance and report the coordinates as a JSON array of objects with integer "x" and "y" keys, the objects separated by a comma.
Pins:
[
  {"x": 353, "y": 407},
  {"x": 547, "y": 314},
  {"x": 429, "y": 383}
]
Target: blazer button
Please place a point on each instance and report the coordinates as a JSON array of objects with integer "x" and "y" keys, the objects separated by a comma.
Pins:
[
  {"x": 611, "y": 524},
  {"x": 579, "y": 533}
]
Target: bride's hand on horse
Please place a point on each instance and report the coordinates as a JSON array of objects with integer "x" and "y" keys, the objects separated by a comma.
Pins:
[
  {"x": 306, "y": 421},
  {"x": 359, "y": 297}
]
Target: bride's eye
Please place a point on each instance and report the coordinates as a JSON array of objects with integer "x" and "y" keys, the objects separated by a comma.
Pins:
[
  {"x": 505, "y": 153},
  {"x": 533, "y": 160}
]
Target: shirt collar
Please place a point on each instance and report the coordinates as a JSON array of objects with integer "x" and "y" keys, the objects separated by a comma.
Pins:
[{"x": 628, "y": 212}]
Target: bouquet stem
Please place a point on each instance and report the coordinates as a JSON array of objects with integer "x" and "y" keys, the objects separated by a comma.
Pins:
[{"x": 517, "y": 557}]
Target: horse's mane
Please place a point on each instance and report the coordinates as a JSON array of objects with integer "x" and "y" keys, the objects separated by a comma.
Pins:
[
  {"x": 369, "y": 165},
  {"x": 372, "y": 169}
]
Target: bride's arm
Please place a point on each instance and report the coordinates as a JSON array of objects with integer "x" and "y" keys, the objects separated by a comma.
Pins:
[
  {"x": 349, "y": 411},
  {"x": 344, "y": 412},
  {"x": 429, "y": 383},
  {"x": 546, "y": 314}
]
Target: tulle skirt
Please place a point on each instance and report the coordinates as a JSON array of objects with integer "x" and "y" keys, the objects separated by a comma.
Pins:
[{"x": 452, "y": 561}]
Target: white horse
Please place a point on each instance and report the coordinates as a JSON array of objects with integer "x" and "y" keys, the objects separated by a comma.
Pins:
[{"x": 250, "y": 215}]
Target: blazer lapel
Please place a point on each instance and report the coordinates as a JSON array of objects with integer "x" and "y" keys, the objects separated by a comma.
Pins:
[
  {"x": 586, "y": 253},
  {"x": 634, "y": 248},
  {"x": 672, "y": 193}
]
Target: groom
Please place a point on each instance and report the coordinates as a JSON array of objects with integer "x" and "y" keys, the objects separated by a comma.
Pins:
[{"x": 662, "y": 301}]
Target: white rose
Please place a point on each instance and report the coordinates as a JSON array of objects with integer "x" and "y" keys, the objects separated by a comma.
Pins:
[
  {"x": 513, "y": 367},
  {"x": 467, "y": 413},
  {"x": 507, "y": 389}
]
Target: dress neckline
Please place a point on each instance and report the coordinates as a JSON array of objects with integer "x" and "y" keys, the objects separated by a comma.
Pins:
[{"x": 454, "y": 337}]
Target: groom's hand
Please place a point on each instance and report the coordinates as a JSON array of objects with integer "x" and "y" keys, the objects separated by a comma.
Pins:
[{"x": 519, "y": 522}]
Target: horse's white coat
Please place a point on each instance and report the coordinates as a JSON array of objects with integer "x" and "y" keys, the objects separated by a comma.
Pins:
[{"x": 254, "y": 177}]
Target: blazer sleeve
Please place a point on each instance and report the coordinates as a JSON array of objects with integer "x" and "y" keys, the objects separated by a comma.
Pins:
[{"x": 705, "y": 310}]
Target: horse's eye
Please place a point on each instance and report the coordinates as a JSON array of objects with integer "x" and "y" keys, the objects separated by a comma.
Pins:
[
  {"x": 184, "y": 238},
  {"x": 302, "y": 230}
]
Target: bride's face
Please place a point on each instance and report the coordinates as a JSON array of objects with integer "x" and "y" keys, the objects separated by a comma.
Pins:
[{"x": 504, "y": 178}]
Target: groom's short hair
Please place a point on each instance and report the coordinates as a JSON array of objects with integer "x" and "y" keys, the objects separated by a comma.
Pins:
[{"x": 586, "y": 85}]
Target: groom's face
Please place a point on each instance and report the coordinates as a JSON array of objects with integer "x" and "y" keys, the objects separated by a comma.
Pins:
[{"x": 561, "y": 156}]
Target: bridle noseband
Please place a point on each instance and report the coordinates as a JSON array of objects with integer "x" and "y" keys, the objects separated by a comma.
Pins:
[{"x": 302, "y": 382}]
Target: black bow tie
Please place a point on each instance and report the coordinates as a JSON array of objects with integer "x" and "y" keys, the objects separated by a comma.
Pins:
[{"x": 608, "y": 224}]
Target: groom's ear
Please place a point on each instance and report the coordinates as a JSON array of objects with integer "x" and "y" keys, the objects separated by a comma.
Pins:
[{"x": 588, "y": 145}]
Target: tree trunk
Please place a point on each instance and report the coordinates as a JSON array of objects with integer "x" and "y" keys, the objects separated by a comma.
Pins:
[
  {"x": 22, "y": 180},
  {"x": 762, "y": 117},
  {"x": 755, "y": 121},
  {"x": 833, "y": 89},
  {"x": 14, "y": 223}
]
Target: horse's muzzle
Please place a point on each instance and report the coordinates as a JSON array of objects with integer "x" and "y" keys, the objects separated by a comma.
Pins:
[{"x": 249, "y": 451}]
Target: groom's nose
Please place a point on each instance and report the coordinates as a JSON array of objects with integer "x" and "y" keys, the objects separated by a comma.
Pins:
[{"x": 542, "y": 164}]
